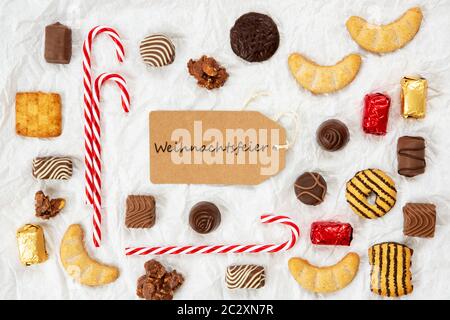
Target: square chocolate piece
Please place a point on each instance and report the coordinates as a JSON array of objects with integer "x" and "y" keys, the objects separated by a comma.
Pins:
[
  {"x": 141, "y": 211},
  {"x": 419, "y": 220}
]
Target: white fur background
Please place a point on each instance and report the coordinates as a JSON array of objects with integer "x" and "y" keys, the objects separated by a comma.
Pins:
[{"x": 314, "y": 28}]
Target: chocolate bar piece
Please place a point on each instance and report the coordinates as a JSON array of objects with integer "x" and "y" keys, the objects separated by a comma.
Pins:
[
  {"x": 31, "y": 243},
  {"x": 57, "y": 168},
  {"x": 411, "y": 156},
  {"x": 141, "y": 211},
  {"x": 58, "y": 43},
  {"x": 246, "y": 276},
  {"x": 331, "y": 233},
  {"x": 419, "y": 220}
]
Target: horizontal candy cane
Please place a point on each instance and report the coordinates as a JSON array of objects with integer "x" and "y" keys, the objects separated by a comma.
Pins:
[
  {"x": 222, "y": 249},
  {"x": 96, "y": 147},
  {"x": 87, "y": 97}
]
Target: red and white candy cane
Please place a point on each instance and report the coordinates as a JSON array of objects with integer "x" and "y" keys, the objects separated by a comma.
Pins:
[
  {"x": 96, "y": 147},
  {"x": 87, "y": 97},
  {"x": 221, "y": 249}
]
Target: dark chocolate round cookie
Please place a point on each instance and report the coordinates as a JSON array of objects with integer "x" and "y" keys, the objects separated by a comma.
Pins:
[{"x": 254, "y": 37}]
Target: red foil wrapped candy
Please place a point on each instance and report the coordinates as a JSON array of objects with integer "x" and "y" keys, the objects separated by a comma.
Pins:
[
  {"x": 331, "y": 233},
  {"x": 376, "y": 113}
]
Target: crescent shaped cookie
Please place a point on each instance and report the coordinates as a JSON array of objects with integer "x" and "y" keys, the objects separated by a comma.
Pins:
[
  {"x": 325, "y": 279},
  {"x": 79, "y": 265},
  {"x": 324, "y": 79},
  {"x": 385, "y": 38}
]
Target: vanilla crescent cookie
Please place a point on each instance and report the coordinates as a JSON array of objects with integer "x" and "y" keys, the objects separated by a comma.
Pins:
[
  {"x": 325, "y": 279},
  {"x": 79, "y": 265},
  {"x": 362, "y": 185},
  {"x": 385, "y": 38},
  {"x": 324, "y": 79}
]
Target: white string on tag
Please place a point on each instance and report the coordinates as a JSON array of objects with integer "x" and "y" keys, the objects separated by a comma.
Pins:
[
  {"x": 277, "y": 118},
  {"x": 254, "y": 96},
  {"x": 294, "y": 116}
]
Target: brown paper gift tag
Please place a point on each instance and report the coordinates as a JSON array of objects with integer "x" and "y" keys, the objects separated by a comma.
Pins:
[{"x": 215, "y": 147}]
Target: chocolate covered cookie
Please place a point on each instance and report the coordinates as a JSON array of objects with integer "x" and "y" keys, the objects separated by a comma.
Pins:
[
  {"x": 310, "y": 188},
  {"x": 204, "y": 217},
  {"x": 254, "y": 37},
  {"x": 332, "y": 135}
]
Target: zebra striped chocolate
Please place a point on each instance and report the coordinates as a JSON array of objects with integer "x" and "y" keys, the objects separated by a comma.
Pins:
[
  {"x": 157, "y": 50},
  {"x": 58, "y": 168},
  {"x": 390, "y": 275},
  {"x": 246, "y": 276}
]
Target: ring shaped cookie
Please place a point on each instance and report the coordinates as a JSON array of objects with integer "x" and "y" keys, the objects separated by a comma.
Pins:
[{"x": 362, "y": 185}]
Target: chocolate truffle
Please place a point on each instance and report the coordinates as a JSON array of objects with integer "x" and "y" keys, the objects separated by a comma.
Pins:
[
  {"x": 58, "y": 43},
  {"x": 332, "y": 135},
  {"x": 419, "y": 220},
  {"x": 157, "y": 50},
  {"x": 204, "y": 217},
  {"x": 310, "y": 188},
  {"x": 254, "y": 37},
  {"x": 141, "y": 212},
  {"x": 411, "y": 156}
]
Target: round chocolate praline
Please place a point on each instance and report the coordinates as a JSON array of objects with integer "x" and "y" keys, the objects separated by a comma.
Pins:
[
  {"x": 204, "y": 217},
  {"x": 254, "y": 37},
  {"x": 310, "y": 188},
  {"x": 332, "y": 135}
]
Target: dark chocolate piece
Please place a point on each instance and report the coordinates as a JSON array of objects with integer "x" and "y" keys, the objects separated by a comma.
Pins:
[
  {"x": 310, "y": 188},
  {"x": 332, "y": 135},
  {"x": 419, "y": 220},
  {"x": 411, "y": 156},
  {"x": 247, "y": 276},
  {"x": 141, "y": 212},
  {"x": 58, "y": 43},
  {"x": 204, "y": 217},
  {"x": 254, "y": 37}
]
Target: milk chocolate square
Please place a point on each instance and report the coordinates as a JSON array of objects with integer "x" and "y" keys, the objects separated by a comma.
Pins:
[
  {"x": 58, "y": 43},
  {"x": 419, "y": 220},
  {"x": 141, "y": 211}
]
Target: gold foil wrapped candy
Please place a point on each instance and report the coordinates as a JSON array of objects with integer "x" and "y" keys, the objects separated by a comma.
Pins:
[
  {"x": 414, "y": 96},
  {"x": 31, "y": 243}
]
